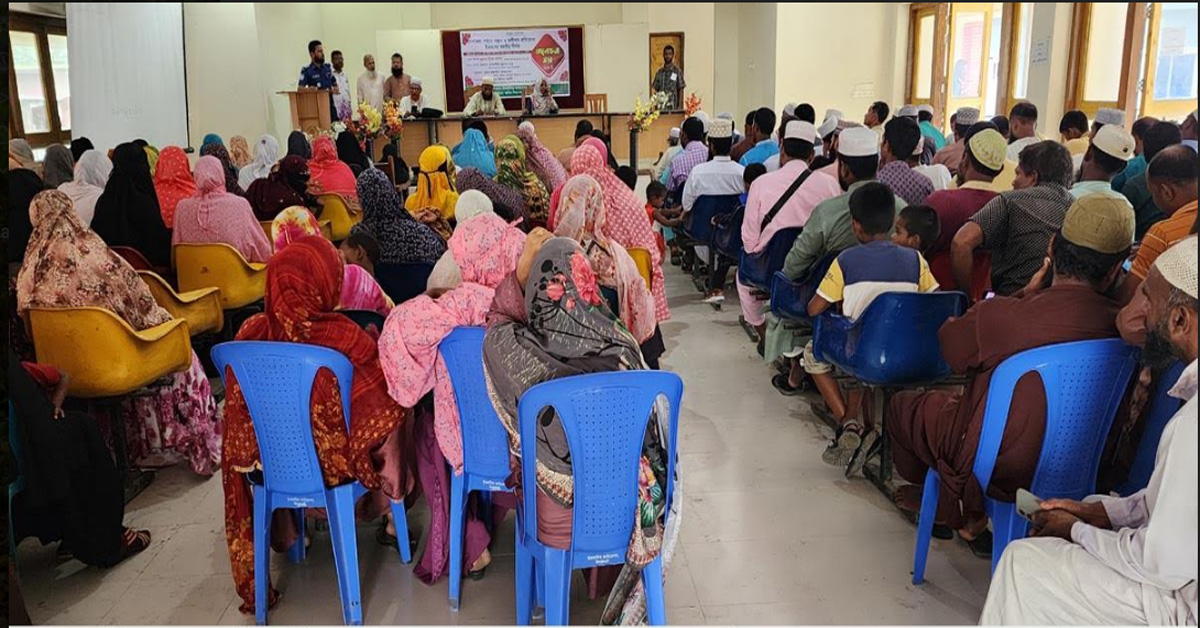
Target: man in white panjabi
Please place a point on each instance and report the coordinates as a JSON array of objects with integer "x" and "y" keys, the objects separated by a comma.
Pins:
[{"x": 1123, "y": 560}]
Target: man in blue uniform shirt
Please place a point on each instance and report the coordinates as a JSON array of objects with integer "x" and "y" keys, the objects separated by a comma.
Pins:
[{"x": 317, "y": 74}]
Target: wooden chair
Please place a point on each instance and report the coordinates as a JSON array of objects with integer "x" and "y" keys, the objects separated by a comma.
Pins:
[{"x": 595, "y": 103}]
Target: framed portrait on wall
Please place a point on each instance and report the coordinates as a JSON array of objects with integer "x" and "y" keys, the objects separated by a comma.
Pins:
[{"x": 669, "y": 79}]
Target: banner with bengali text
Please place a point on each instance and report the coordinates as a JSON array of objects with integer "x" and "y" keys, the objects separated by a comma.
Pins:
[{"x": 517, "y": 59}]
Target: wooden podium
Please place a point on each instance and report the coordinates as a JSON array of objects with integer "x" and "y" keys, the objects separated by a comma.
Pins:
[{"x": 311, "y": 109}]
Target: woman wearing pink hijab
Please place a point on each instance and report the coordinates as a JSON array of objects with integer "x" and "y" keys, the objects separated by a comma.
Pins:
[
  {"x": 329, "y": 174},
  {"x": 627, "y": 223},
  {"x": 216, "y": 216},
  {"x": 582, "y": 217},
  {"x": 486, "y": 250}
]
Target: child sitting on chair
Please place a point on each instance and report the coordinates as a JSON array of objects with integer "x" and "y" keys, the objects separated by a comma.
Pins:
[
  {"x": 917, "y": 227},
  {"x": 859, "y": 274}
]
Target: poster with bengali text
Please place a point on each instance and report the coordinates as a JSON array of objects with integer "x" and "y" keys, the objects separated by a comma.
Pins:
[{"x": 517, "y": 59}]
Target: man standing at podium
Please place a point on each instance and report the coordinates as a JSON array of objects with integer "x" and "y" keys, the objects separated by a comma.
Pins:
[{"x": 317, "y": 74}]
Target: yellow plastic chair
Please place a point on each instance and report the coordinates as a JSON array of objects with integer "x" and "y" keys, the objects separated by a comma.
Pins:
[
  {"x": 642, "y": 258},
  {"x": 200, "y": 308},
  {"x": 200, "y": 266},
  {"x": 338, "y": 212},
  {"x": 103, "y": 355}
]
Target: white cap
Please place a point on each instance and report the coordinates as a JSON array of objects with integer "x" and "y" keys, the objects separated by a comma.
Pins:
[
  {"x": 789, "y": 109},
  {"x": 720, "y": 129},
  {"x": 920, "y": 146},
  {"x": 1110, "y": 116},
  {"x": 907, "y": 111},
  {"x": 834, "y": 113},
  {"x": 704, "y": 119},
  {"x": 925, "y": 108},
  {"x": 1113, "y": 140},
  {"x": 966, "y": 116},
  {"x": 858, "y": 141},
  {"x": 725, "y": 115},
  {"x": 487, "y": 80},
  {"x": 801, "y": 130},
  {"x": 828, "y": 126},
  {"x": 1178, "y": 265},
  {"x": 674, "y": 132},
  {"x": 415, "y": 82}
]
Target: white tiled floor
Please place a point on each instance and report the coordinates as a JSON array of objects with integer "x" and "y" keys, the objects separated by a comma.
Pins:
[{"x": 771, "y": 535}]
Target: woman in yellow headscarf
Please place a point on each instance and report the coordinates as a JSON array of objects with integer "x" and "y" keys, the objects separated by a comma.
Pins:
[{"x": 435, "y": 185}]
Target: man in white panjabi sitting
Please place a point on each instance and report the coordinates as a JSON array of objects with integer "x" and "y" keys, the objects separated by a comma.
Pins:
[
  {"x": 412, "y": 104},
  {"x": 485, "y": 102},
  {"x": 1123, "y": 560}
]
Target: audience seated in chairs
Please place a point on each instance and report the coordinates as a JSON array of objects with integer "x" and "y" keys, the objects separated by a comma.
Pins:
[
  {"x": 827, "y": 232},
  {"x": 858, "y": 275},
  {"x": 1122, "y": 560},
  {"x": 1066, "y": 300},
  {"x": 781, "y": 200},
  {"x": 67, "y": 265},
  {"x": 215, "y": 216}
]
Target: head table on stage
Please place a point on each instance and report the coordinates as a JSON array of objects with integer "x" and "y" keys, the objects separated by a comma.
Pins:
[{"x": 555, "y": 131}]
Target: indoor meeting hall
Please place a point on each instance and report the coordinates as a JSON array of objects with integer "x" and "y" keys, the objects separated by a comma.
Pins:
[{"x": 793, "y": 313}]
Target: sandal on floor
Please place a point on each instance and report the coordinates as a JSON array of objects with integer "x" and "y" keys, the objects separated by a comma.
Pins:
[
  {"x": 781, "y": 383},
  {"x": 133, "y": 542},
  {"x": 386, "y": 539},
  {"x": 940, "y": 530},
  {"x": 981, "y": 546}
]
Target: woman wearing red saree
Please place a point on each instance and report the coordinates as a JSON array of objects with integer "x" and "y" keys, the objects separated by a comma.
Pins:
[{"x": 303, "y": 287}]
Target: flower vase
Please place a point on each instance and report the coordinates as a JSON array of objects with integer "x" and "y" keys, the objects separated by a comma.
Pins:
[{"x": 633, "y": 149}]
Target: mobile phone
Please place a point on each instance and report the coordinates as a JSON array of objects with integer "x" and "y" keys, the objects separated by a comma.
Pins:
[{"x": 1027, "y": 504}]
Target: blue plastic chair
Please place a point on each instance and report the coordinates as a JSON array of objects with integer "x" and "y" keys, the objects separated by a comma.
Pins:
[
  {"x": 1160, "y": 413},
  {"x": 727, "y": 237},
  {"x": 1084, "y": 382},
  {"x": 699, "y": 224},
  {"x": 755, "y": 270},
  {"x": 484, "y": 439},
  {"x": 871, "y": 350},
  {"x": 605, "y": 417},
  {"x": 276, "y": 379},
  {"x": 789, "y": 299}
]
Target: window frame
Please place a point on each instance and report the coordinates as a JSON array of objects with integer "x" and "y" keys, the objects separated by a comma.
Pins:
[
  {"x": 1170, "y": 110},
  {"x": 1131, "y": 61},
  {"x": 41, "y": 27}
]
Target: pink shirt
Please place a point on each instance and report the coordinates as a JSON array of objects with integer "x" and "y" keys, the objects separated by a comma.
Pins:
[{"x": 766, "y": 191}]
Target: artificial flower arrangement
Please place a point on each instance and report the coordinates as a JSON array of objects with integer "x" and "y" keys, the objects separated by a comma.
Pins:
[
  {"x": 691, "y": 104},
  {"x": 393, "y": 120},
  {"x": 645, "y": 113},
  {"x": 367, "y": 125}
]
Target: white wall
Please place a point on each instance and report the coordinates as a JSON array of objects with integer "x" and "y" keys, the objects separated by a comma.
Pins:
[
  {"x": 1048, "y": 79},
  {"x": 459, "y": 15},
  {"x": 726, "y": 34},
  {"x": 828, "y": 63},
  {"x": 756, "y": 56},
  {"x": 284, "y": 31},
  {"x": 221, "y": 37}
]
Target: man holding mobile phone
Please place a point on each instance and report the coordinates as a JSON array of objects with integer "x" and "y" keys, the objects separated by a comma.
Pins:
[{"x": 1123, "y": 560}]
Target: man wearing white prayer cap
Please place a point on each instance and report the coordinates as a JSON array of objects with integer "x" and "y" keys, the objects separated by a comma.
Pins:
[
  {"x": 737, "y": 136},
  {"x": 789, "y": 109},
  {"x": 1111, "y": 148},
  {"x": 1107, "y": 115},
  {"x": 828, "y": 231},
  {"x": 664, "y": 159},
  {"x": 907, "y": 111},
  {"x": 720, "y": 176},
  {"x": 485, "y": 102},
  {"x": 951, "y": 155},
  {"x": 412, "y": 104},
  {"x": 834, "y": 113},
  {"x": 795, "y": 205},
  {"x": 1123, "y": 560}
]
